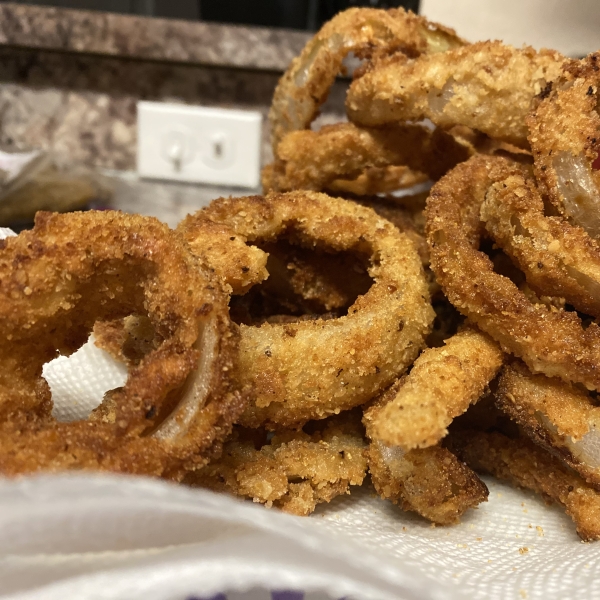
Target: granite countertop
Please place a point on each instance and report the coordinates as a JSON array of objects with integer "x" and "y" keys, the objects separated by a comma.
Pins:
[
  {"x": 148, "y": 38},
  {"x": 86, "y": 70}
]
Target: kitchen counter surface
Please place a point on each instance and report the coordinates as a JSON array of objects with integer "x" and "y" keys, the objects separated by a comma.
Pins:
[
  {"x": 165, "y": 40},
  {"x": 168, "y": 201}
]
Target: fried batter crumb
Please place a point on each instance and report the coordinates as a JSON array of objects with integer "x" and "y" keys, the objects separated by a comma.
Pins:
[{"x": 294, "y": 470}]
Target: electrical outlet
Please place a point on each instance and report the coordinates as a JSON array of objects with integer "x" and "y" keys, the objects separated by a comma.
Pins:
[{"x": 197, "y": 144}]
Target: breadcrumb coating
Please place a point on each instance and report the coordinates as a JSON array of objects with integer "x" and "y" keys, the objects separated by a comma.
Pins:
[
  {"x": 548, "y": 340},
  {"x": 441, "y": 385},
  {"x": 293, "y": 470},
  {"x": 487, "y": 86},
  {"x": 429, "y": 481},
  {"x": 558, "y": 259},
  {"x": 361, "y": 31},
  {"x": 310, "y": 369},
  {"x": 559, "y": 416}
]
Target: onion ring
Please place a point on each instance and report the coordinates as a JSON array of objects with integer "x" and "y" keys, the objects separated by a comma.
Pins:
[
  {"x": 549, "y": 341},
  {"x": 487, "y": 86},
  {"x": 556, "y": 415},
  {"x": 294, "y": 470},
  {"x": 525, "y": 465},
  {"x": 306, "y": 83},
  {"x": 371, "y": 181},
  {"x": 441, "y": 385},
  {"x": 429, "y": 481},
  {"x": 556, "y": 258},
  {"x": 565, "y": 140},
  {"x": 178, "y": 403},
  {"x": 378, "y": 180},
  {"x": 312, "y": 160},
  {"x": 311, "y": 369}
]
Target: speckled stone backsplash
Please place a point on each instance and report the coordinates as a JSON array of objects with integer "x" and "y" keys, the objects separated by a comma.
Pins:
[{"x": 70, "y": 80}]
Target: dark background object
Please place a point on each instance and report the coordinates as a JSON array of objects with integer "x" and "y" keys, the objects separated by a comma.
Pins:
[
  {"x": 295, "y": 14},
  {"x": 291, "y": 14},
  {"x": 176, "y": 9}
]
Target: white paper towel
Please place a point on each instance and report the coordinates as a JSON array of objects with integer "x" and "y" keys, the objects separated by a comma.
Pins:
[{"x": 106, "y": 537}]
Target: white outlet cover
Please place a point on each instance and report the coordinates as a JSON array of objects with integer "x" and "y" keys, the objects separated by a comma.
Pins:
[{"x": 198, "y": 144}]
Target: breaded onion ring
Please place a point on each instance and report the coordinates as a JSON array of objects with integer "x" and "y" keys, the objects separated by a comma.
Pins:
[
  {"x": 294, "y": 470},
  {"x": 311, "y": 369},
  {"x": 429, "y": 481},
  {"x": 306, "y": 83},
  {"x": 487, "y": 86},
  {"x": 378, "y": 180},
  {"x": 312, "y": 160},
  {"x": 525, "y": 465},
  {"x": 556, "y": 415},
  {"x": 405, "y": 217},
  {"x": 553, "y": 342},
  {"x": 556, "y": 258},
  {"x": 56, "y": 281},
  {"x": 441, "y": 385},
  {"x": 371, "y": 181},
  {"x": 565, "y": 140}
]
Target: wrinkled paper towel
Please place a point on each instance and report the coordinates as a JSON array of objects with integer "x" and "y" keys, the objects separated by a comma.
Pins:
[{"x": 104, "y": 537}]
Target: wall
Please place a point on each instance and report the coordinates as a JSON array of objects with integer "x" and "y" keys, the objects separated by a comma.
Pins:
[{"x": 568, "y": 26}]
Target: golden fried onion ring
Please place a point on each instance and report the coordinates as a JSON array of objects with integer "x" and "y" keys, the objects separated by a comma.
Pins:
[
  {"x": 550, "y": 341},
  {"x": 556, "y": 258},
  {"x": 311, "y": 369},
  {"x": 378, "y": 180},
  {"x": 56, "y": 281},
  {"x": 565, "y": 140},
  {"x": 556, "y": 415},
  {"x": 441, "y": 385},
  {"x": 313, "y": 160},
  {"x": 294, "y": 470},
  {"x": 487, "y": 86},
  {"x": 306, "y": 83},
  {"x": 429, "y": 481}
]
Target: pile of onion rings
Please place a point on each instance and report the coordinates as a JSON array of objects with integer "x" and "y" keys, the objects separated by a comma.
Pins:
[
  {"x": 510, "y": 140},
  {"x": 435, "y": 319}
]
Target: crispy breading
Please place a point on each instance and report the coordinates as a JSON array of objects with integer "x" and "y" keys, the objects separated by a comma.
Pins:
[
  {"x": 127, "y": 340},
  {"x": 371, "y": 181},
  {"x": 179, "y": 400},
  {"x": 361, "y": 31},
  {"x": 429, "y": 481},
  {"x": 293, "y": 470},
  {"x": 311, "y": 369},
  {"x": 526, "y": 465},
  {"x": 563, "y": 133},
  {"x": 441, "y": 385},
  {"x": 556, "y": 258},
  {"x": 559, "y": 416},
  {"x": 378, "y": 180},
  {"x": 487, "y": 86},
  {"x": 548, "y": 340},
  {"x": 406, "y": 217},
  {"x": 311, "y": 160}
]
